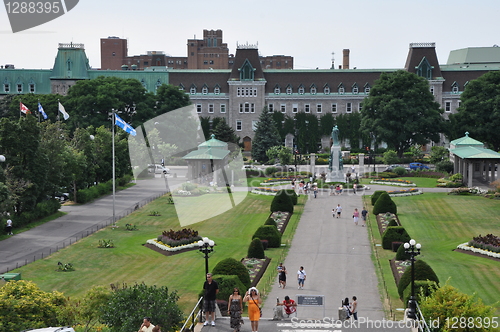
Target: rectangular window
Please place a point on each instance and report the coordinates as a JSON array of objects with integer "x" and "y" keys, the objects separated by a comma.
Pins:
[
  {"x": 283, "y": 108},
  {"x": 254, "y": 125},
  {"x": 334, "y": 108},
  {"x": 319, "y": 108},
  {"x": 6, "y": 88},
  {"x": 241, "y": 108},
  {"x": 198, "y": 108},
  {"x": 360, "y": 106},
  {"x": 307, "y": 108},
  {"x": 247, "y": 108},
  {"x": 447, "y": 106},
  {"x": 210, "y": 108},
  {"x": 19, "y": 88},
  {"x": 223, "y": 108},
  {"x": 239, "y": 125},
  {"x": 432, "y": 90},
  {"x": 348, "y": 108},
  {"x": 252, "y": 108},
  {"x": 295, "y": 108},
  {"x": 270, "y": 107}
]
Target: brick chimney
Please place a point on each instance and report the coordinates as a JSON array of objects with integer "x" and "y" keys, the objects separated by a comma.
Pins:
[{"x": 345, "y": 60}]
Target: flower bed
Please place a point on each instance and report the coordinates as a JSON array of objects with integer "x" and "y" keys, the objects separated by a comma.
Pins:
[
  {"x": 264, "y": 191},
  {"x": 405, "y": 192},
  {"x": 277, "y": 180},
  {"x": 467, "y": 248},
  {"x": 398, "y": 268},
  {"x": 383, "y": 220},
  {"x": 281, "y": 219},
  {"x": 468, "y": 191},
  {"x": 393, "y": 182},
  {"x": 256, "y": 268}
]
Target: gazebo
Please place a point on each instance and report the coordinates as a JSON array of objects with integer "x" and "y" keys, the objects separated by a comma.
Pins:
[
  {"x": 205, "y": 163},
  {"x": 471, "y": 159}
]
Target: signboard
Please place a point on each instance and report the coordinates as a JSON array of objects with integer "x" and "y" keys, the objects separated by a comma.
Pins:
[{"x": 311, "y": 300}]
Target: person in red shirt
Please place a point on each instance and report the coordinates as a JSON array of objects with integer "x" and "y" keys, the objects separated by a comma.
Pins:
[{"x": 289, "y": 305}]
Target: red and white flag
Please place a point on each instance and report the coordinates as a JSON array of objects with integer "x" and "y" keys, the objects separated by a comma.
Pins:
[{"x": 24, "y": 109}]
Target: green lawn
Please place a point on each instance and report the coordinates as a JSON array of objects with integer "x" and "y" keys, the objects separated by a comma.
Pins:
[
  {"x": 131, "y": 263},
  {"x": 440, "y": 222}
]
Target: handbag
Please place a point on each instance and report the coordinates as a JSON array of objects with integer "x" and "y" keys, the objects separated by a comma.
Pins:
[{"x": 260, "y": 309}]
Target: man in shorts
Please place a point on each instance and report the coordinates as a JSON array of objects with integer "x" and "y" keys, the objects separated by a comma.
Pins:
[
  {"x": 364, "y": 213},
  {"x": 211, "y": 289}
]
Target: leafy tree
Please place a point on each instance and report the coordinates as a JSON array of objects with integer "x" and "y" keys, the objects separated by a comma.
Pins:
[
  {"x": 308, "y": 133},
  {"x": 284, "y": 124},
  {"x": 91, "y": 307},
  {"x": 445, "y": 166},
  {"x": 25, "y": 306},
  {"x": 326, "y": 124},
  {"x": 170, "y": 97},
  {"x": 266, "y": 136},
  {"x": 401, "y": 111},
  {"x": 283, "y": 153},
  {"x": 447, "y": 302},
  {"x": 416, "y": 152},
  {"x": 390, "y": 157},
  {"x": 479, "y": 111},
  {"x": 128, "y": 306},
  {"x": 438, "y": 153}
]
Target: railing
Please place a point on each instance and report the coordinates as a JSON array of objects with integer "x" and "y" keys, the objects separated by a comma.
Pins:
[
  {"x": 84, "y": 233},
  {"x": 422, "y": 324},
  {"x": 193, "y": 318}
]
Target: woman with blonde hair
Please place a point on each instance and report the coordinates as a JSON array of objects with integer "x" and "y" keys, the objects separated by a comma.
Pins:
[{"x": 253, "y": 298}]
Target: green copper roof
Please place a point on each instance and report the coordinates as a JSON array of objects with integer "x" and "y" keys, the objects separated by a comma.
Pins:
[
  {"x": 71, "y": 62},
  {"x": 213, "y": 143},
  {"x": 466, "y": 141},
  {"x": 206, "y": 154},
  {"x": 472, "y": 152}
]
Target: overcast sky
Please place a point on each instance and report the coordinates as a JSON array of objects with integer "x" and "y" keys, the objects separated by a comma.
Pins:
[{"x": 378, "y": 33}]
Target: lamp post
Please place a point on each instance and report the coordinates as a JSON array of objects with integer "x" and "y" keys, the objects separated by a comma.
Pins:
[
  {"x": 206, "y": 246},
  {"x": 413, "y": 249}
]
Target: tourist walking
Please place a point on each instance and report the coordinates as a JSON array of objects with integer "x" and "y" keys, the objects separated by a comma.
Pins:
[
  {"x": 354, "y": 187},
  {"x": 315, "y": 190},
  {"x": 354, "y": 307},
  {"x": 355, "y": 216},
  {"x": 211, "y": 289},
  {"x": 279, "y": 268},
  {"x": 338, "y": 209},
  {"x": 9, "y": 227},
  {"x": 235, "y": 309},
  {"x": 301, "y": 277},
  {"x": 253, "y": 298},
  {"x": 364, "y": 213},
  {"x": 282, "y": 277}
]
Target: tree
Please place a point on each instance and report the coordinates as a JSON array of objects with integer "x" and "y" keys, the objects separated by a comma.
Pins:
[
  {"x": 447, "y": 303},
  {"x": 283, "y": 153},
  {"x": 128, "y": 306},
  {"x": 266, "y": 136},
  {"x": 401, "y": 111},
  {"x": 438, "y": 153},
  {"x": 225, "y": 133},
  {"x": 25, "y": 306},
  {"x": 91, "y": 307},
  {"x": 390, "y": 157},
  {"x": 479, "y": 111}
]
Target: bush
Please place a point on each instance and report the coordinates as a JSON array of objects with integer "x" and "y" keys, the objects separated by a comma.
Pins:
[
  {"x": 230, "y": 266},
  {"x": 269, "y": 233},
  {"x": 282, "y": 202},
  {"x": 394, "y": 234},
  {"x": 376, "y": 195},
  {"x": 401, "y": 254},
  {"x": 226, "y": 285},
  {"x": 444, "y": 166},
  {"x": 291, "y": 193},
  {"x": 256, "y": 249},
  {"x": 423, "y": 288},
  {"x": 385, "y": 204},
  {"x": 390, "y": 157},
  {"x": 393, "y": 222},
  {"x": 400, "y": 171},
  {"x": 270, "y": 221},
  {"x": 422, "y": 272},
  {"x": 271, "y": 170}
]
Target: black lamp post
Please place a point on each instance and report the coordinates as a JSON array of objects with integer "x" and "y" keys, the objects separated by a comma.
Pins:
[
  {"x": 206, "y": 246},
  {"x": 413, "y": 249}
]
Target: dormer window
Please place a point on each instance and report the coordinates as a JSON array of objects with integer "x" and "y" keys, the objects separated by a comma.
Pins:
[
  {"x": 355, "y": 89},
  {"x": 277, "y": 89},
  {"x": 192, "y": 89},
  {"x": 181, "y": 87},
  {"x": 217, "y": 89},
  {"x": 326, "y": 89},
  {"x": 313, "y": 89},
  {"x": 455, "y": 88},
  {"x": 289, "y": 90},
  {"x": 424, "y": 69},
  {"x": 301, "y": 90},
  {"x": 204, "y": 90},
  {"x": 247, "y": 71},
  {"x": 341, "y": 89}
]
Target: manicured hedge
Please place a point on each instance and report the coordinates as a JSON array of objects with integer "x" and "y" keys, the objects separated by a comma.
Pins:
[
  {"x": 230, "y": 266},
  {"x": 256, "y": 249},
  {"x": 269, "y": 233},
  {"x": 282, "y": 202},
  {"x": 422, "y": 287},
  {"x": 385, "y": 204},
  {"x": 394, "y": 234},
  {"x": 422, "y": 272},
  {"x": 376, "y": 195}
]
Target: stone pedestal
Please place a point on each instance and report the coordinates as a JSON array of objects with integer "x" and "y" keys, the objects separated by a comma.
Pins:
[
  {"x": 335, "y": 174},
  {"x": 361, "y": 171}
]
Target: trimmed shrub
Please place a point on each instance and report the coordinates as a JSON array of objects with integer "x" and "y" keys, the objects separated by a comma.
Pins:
[
  {"x": 422, "y": 272},
  {"x": 385, "y": 204},
  {"x": 230, "y": 266},
  {"x": 282, "y": 202},
  {"x": 392, "y": 222},
  {"x": 376, "y": 195},
  {"x": 291, "y": 193},
  {"x": 256, "y": 249},
  {"x": 270, "y": 221},
  {"x": 226, "y": 285},
  {"x": 400, "y": 171},
  {"x": 444, "y": 166},
  {"x": 423, "y": 288},
  {"x": 269, "y": 233},
  {"x": 401, "y": 254},
  {"x": 394, "y": 234},
  {"x": 265, "y": 244},
  {"x": 270, "y": 170},
  {"x": 396, "y": 245}
]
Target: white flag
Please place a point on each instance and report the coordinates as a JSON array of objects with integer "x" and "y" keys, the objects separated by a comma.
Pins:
[{"x": 63, "y": 111}]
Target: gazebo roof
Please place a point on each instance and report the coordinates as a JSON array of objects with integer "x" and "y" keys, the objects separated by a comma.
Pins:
[
  {"x": 472, "y": 152},
  {"x": 207, "y": 154},
  {"x": 467, "y": 141},
  {"x": 213, "y": 143}
]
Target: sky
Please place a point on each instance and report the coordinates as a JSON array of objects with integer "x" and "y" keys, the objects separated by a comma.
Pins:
[{"x": 378, "y": 33}]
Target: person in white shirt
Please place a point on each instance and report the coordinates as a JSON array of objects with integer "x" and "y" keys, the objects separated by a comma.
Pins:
[
  {"x": 9, "y": 227},
  {"x": 146, "y": 325},
  {"x": 301, "y": 277}
]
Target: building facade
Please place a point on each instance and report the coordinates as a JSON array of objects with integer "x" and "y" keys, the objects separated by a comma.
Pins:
[{"x": 240, "y": 92}]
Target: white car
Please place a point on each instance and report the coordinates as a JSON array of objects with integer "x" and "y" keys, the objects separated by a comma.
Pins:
[
  {"x": 158, "y": 169},
  {"x": 251, "y": 167}
]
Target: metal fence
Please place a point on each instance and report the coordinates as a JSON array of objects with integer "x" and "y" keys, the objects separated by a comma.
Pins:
[{"x": 47, "y": 251}]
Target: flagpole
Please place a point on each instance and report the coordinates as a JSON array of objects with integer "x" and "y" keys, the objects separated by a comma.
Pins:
[{"x": 113, "y": 153}]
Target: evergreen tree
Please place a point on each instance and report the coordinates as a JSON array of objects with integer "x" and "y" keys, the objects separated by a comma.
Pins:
[
  {"x": 225, "y": 133},
  {"x": 266, "y": 136}
]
